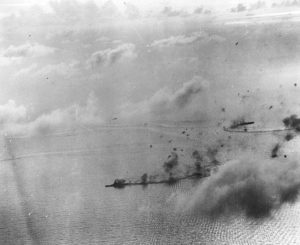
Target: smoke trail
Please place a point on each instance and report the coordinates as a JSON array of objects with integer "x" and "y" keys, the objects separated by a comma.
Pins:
[
  {"x": 253, "y": 187},
  {"x": 275, "y": 150}
]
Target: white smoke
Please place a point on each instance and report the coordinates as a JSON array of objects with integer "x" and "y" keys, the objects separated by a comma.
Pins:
[{"x": 169, "y": 104}]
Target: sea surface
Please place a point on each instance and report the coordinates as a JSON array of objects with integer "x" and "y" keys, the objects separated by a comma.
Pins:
[{"x": 52, "y": 190}]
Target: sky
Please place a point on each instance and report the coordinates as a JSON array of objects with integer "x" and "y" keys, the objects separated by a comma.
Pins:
[{"x": 139, "y": 61}]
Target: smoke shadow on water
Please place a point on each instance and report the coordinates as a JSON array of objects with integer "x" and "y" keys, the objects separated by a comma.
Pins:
[{"x": 33, "y": 234}]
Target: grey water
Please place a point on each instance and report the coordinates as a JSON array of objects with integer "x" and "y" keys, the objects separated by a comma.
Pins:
[{"x": 52, "y": 192}]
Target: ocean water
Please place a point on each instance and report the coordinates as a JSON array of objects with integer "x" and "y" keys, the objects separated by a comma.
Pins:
[{"x": 53, "y": 190}]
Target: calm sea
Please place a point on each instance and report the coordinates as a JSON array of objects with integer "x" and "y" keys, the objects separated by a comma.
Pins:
[{"x": 52, "y": 192}]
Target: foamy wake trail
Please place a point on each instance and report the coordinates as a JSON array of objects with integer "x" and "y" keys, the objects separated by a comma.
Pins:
[{"x": 49, "y": 153}]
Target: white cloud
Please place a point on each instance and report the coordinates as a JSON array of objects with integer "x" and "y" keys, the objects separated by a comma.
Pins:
[
  {"x": 27, "y": 50},
  {"x": 157, "y": 71},
  {"x": 168, "y": 11},
  {"x": 258, "y": 5},
  {"x": 239, "y": 8},
  {"x": 26, "y": 71},
  {"x": 12, "y": 113},
  {"x": 131, "y": 10},
  {"x": 183, "y": 40},
  {"x": 75, "y": 11},
  {"x": 14, "y": 119},
  {"x": 6, "y": 61},
  {"x": 112, "y": 55},
  {"x": 66, "y": 70},
  {"x": 287, "y": 3},
  {"x": 88, "y": 114},
  {"x": 63, "y": 69}
]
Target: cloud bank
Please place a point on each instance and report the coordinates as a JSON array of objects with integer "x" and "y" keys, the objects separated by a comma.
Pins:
[{"x": 15, "y": 120}]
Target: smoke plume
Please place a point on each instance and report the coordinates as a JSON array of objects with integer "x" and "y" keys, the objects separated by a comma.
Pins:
[
  {"x": 289, "y": 137},
  {"x": 171, "y": 163},
  {"x": 144, "y": 178},
  {"x": 168, "y": 104},
  {"x": 183, "y": 96},
  {"x": 236, "y": 122},
  {"x": 212, "y": 154},
  {"x": 292, "y": 122},
  {"x": 253, "y": 187},
  {"x": 198, "y": 159}
]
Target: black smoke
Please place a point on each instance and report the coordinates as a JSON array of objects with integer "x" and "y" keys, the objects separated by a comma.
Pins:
[
  {"x": 198, "y": 160},
  {"x": 171, "y": 162},
  {"x": 237, "y": 122},
  {"x": 253, "y": 187},
  {"x": 144, "y": 178},
  {"x": 212, "y": 154},
  {"x": 292, "y": 122},
  {"x": 289, "y": 137},
  {"x": 275, "y": 150}
]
